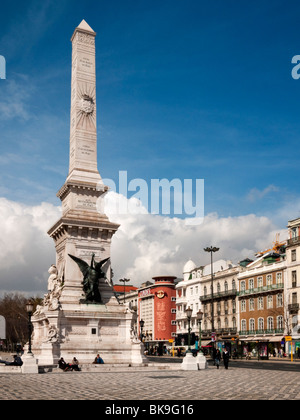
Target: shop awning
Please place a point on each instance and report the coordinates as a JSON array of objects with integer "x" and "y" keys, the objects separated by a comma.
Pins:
[
  {"x": 275, "y": 339},
  {"x": 205, "y": 343}
]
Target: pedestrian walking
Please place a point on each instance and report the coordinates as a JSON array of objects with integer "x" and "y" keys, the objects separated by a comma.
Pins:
[
  {"x": 217, "y": 358},
  {"x": 226, "y": 358},
  {"x": 214, "y": 351}
]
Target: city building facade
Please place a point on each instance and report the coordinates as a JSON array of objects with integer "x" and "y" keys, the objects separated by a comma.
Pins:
[
  {"x": 157, "y": 309},
  {"x": 292, "y": 289},
  {"x": 195, "y": 292},
  {"x": 261, "y": 304}
]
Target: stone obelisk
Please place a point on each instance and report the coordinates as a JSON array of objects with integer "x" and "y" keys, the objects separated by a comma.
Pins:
[
  {"x": 82, "y": 230},
  {"x": 69, "y": 324}
]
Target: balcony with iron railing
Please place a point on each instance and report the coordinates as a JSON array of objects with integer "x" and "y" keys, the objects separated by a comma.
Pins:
[
  {"x": 293, "y": 241},
  {"x": 293, "y": 308},
  {"x": 263, "y": 289},
  {"x": 219, "y": 331},
  {"x": 218, "y": 295},
  {"x": 262, "y": 332}
]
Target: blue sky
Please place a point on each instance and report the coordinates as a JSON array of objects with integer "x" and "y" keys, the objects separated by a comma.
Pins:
[{"x": 185, "y": 89}]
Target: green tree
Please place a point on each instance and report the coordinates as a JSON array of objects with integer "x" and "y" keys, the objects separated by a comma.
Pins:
[{"x": 13, "y": 308}]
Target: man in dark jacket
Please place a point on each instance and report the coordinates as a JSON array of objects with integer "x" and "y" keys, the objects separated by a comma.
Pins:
[
  {"x": 226, "y": 358},
  {"x": 16, "y": 362}
]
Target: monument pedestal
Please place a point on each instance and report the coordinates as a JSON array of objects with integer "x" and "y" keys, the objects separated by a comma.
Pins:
[
  {"x": 30, "y": 363},
  {"x": 189, "y": 362},
  {"x": 201, "y": 360}
]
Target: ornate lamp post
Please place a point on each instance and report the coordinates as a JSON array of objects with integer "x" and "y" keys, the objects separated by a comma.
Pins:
[
  {"x": 189, "y": 312},
  {"x": 29, "y": 309},
  {"x": 142, "y": 323},
  {"x": 211, "y": 250},
  {"x": 199, "y": 319},
  {"x": 124, "y": 281}
]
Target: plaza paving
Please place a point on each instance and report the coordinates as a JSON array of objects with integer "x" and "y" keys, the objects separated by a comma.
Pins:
[{"x": 242, "y": 381}]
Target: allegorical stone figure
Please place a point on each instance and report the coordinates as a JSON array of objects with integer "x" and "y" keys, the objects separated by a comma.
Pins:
[{"x": 91, "y": 275}]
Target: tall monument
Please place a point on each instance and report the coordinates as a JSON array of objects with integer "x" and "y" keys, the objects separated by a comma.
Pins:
[
  {"x": 82, "y": 230},
  {"x": 80, "y": 315}
]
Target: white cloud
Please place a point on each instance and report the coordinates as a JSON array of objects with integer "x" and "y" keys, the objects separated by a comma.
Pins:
[
  {"x": 13, "y": 102},
  {"x": 26, "y": 250},
  {"x": 256, "y": 194},
  {"x": 145, "y": 245}
]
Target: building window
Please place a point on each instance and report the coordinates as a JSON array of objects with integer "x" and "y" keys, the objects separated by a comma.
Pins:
[
  {"x": 270, "y": 323},
  {"x": 252, "y": 325},
  {"x": 280, "y": 322},
  {"x": 259, "y": 282},
  {"x": 260, "y": 303},
  {"x": 270, "y": 301},
  {"x": 226, "y": 286},
  {"x": 243, "y": 285},
  {"x": 269, "y": 280},
  {"x": 226, "y": 323},
  {"x": 251, "y": 284},
  {"x": 251, "y": 304},
  {"x": 196, "y": 290},
  {"x": 226, "y": 307},
  {"x": 233, "y": 322},
  {"x": 293, "y": 255},
  {"x": 173, "y": 311},
  {"x": 279, "y": 278},
  {"x": 294, "y": 298},
  {"x": 233, "y": 307},
  {"x": 294, "y": 278},
  {"x": 243, "y": 305},
  {"x": 218, "y": 288},
  {"x": 205, "y": 291},
  {"x": 260, "y": 324},
  {"x": 191, "y": 291},
  {"x": 279, "y": 299},
  {"x": 243, "y": 325},
  {"x": 233, "y": 285},
  {"x": 294, "y": 233},
  {"x": 173, "y": 299}
]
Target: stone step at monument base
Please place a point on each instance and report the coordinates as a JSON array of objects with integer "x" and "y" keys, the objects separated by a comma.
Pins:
[{"x": 112, "y": 367}]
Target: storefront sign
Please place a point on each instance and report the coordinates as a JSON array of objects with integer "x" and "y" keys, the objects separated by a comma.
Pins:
[
  {"x": 288, "y": 338},
  {"x": 144, "y": 293}
]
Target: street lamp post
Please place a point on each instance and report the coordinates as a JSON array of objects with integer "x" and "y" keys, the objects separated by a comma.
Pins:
[
  {"x": 189, "y": 312},
  {"x": 211, "y": 250},
  {"x": 124, "y": 281},
  {"x": 142, "y": 323},
  {"x": 29, "y": 309},
  {"x": 189, "y": 361},
  {"x": 199, "y": 319}
]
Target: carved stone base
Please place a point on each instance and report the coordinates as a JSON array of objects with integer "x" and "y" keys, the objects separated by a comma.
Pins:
[{"x": 29, "y": 363}]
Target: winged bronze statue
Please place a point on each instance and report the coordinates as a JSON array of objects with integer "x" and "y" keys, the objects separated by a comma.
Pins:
[{"x": 91, "y": 275}]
